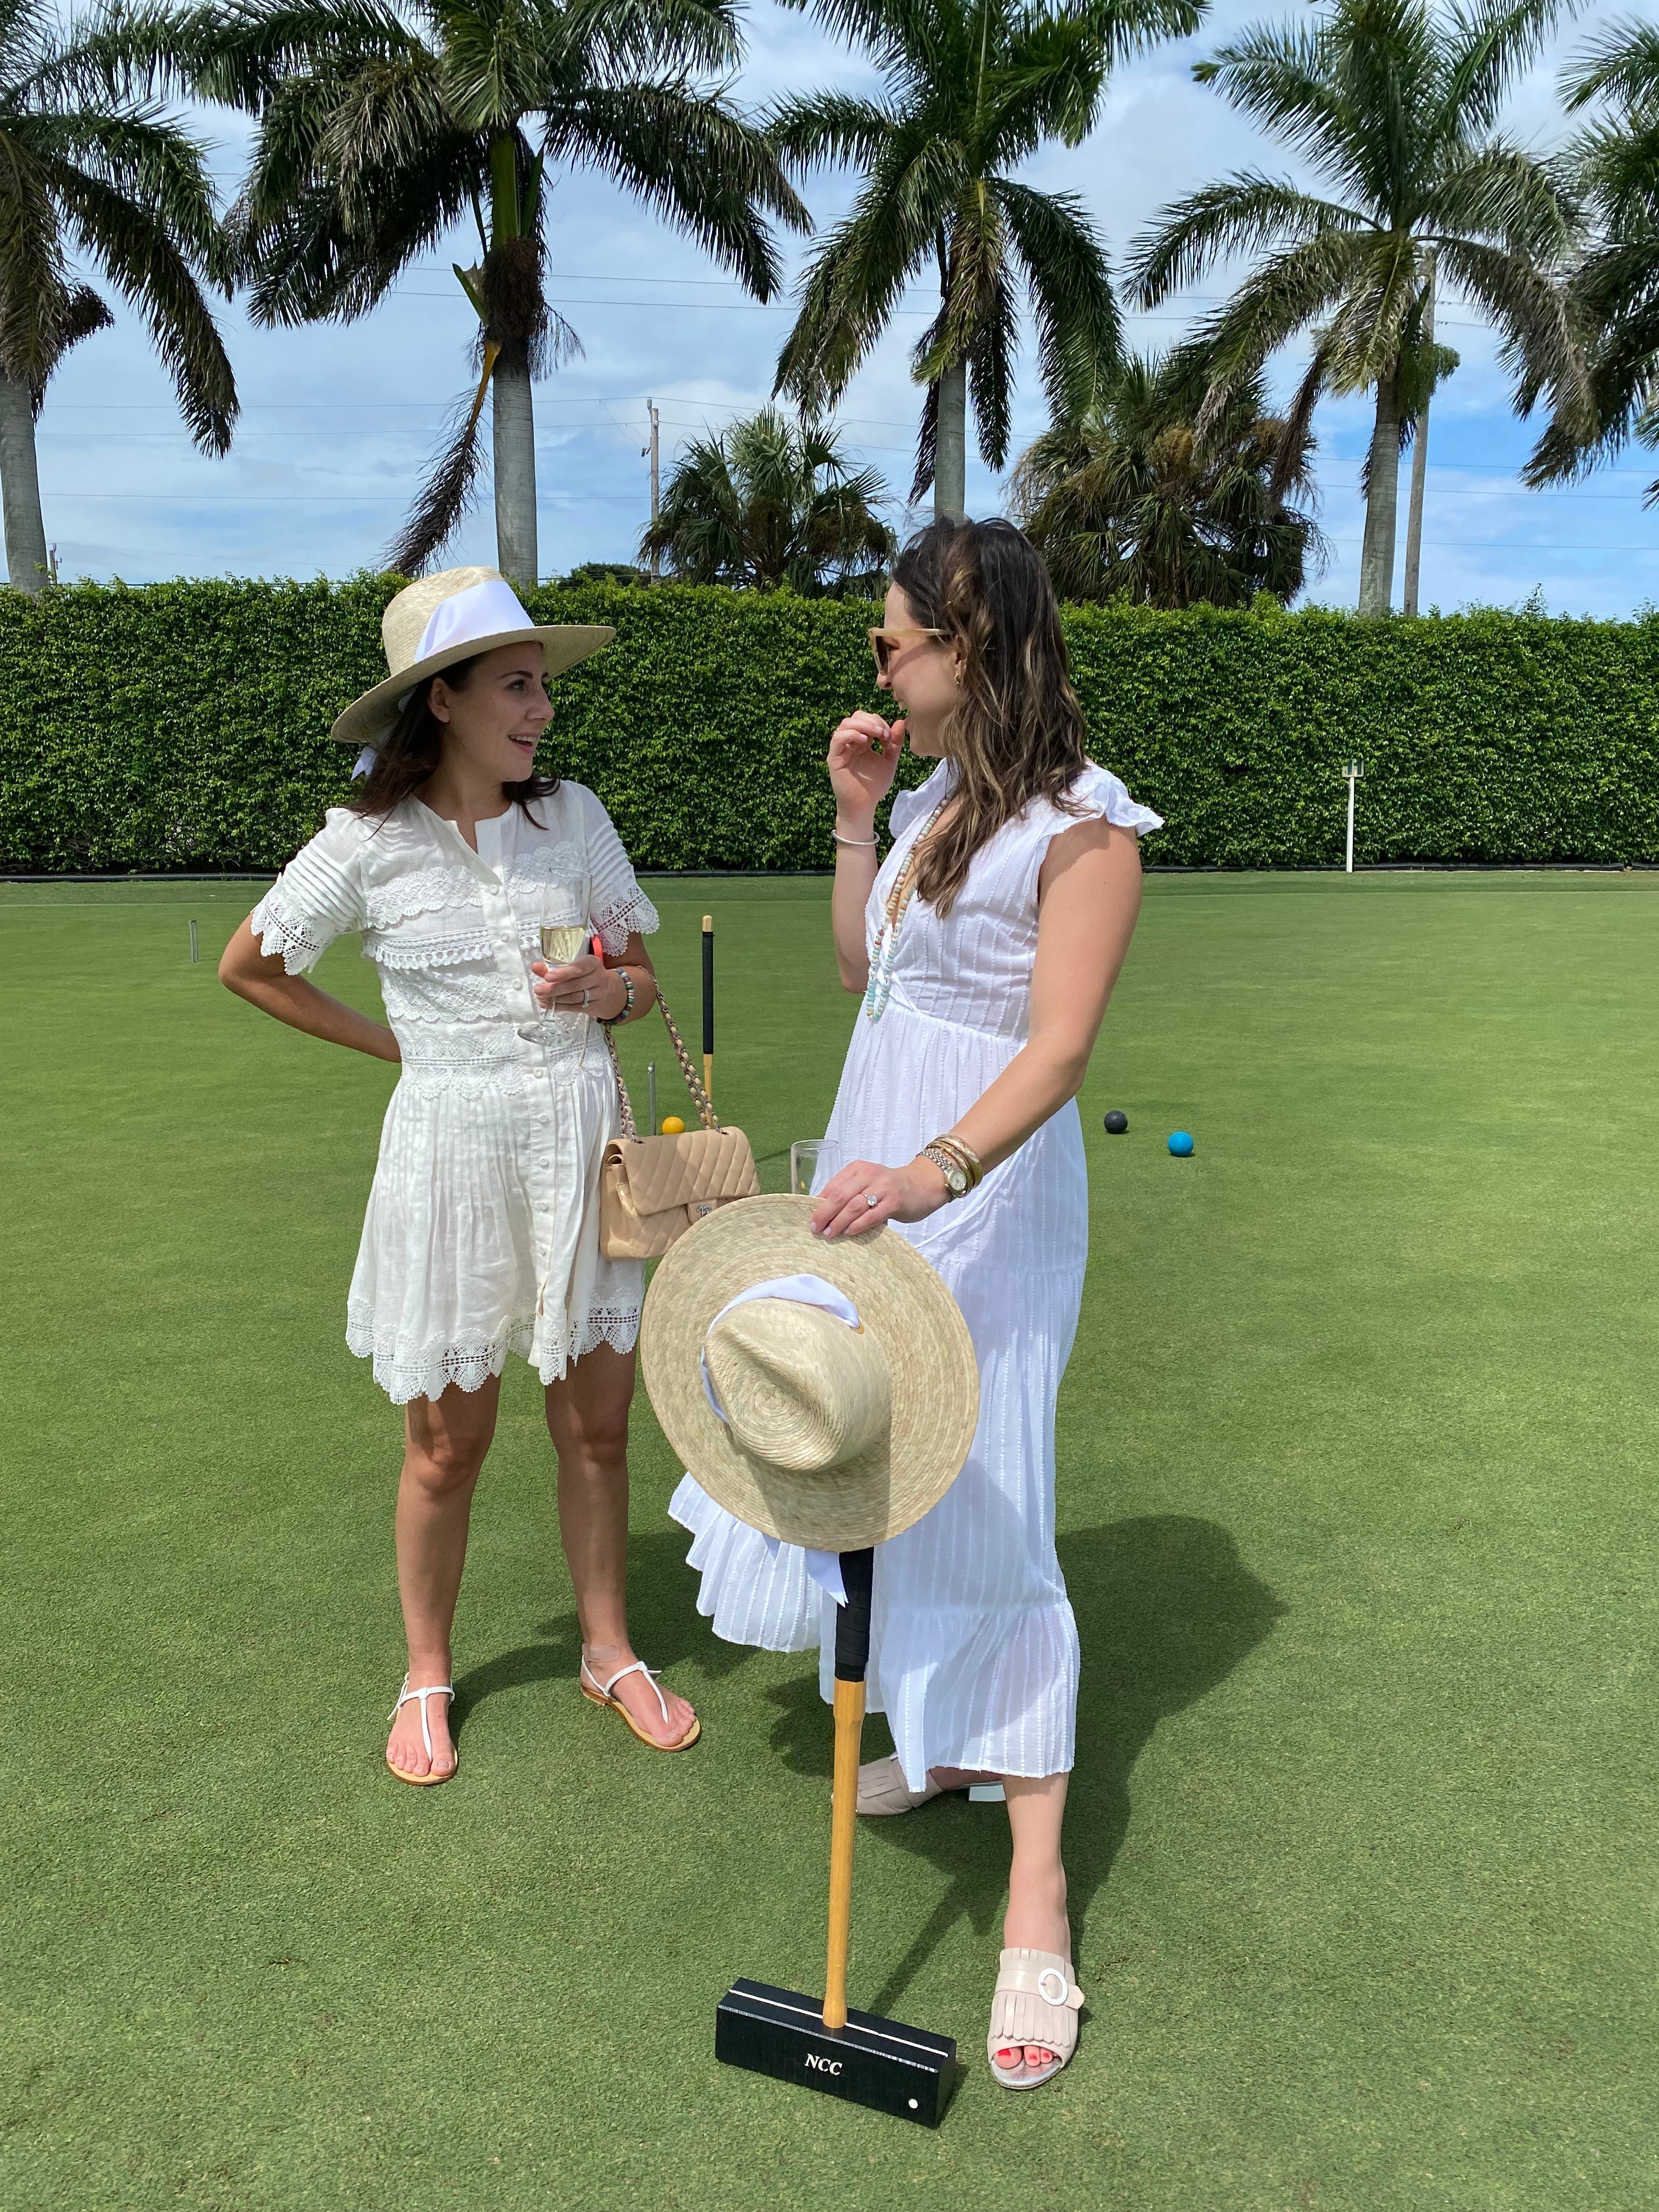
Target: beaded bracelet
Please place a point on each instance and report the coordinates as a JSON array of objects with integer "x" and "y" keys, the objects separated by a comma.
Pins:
[{"x": 627, "y": 1006}]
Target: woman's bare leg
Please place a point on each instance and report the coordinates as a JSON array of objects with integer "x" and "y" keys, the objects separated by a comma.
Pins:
[
  {"x": 1036, "y": 1919},
  {"x": 445, "y": 1440},
  {"x": 588, "y": 1420}
]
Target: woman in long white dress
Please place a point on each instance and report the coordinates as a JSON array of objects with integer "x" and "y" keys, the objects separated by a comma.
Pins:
[
  {"x": 987, "y": 946},
  {"x": 482, "y": 1233}
]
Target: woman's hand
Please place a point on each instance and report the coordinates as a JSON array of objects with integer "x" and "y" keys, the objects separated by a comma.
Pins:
[
  {"x": 585, "y": 986},
  {"x": 863, "y": 759},
  {"x": 861, "y": 1197}
]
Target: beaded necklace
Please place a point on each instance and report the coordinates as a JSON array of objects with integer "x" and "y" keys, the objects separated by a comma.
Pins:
[{"x": 884, "y": 958}]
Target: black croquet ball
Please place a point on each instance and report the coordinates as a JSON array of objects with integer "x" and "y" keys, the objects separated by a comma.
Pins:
[{"x": 1117, "y": 1123}]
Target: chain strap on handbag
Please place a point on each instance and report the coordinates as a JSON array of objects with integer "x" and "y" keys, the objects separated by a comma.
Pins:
[{"x": 652, "y": 1190}]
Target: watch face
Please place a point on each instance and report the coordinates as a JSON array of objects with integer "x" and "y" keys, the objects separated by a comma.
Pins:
[{"x": 956, "y": 1179}]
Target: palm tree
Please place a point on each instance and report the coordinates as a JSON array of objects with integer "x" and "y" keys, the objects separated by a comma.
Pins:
[
  {"x": 1614, "y": 164},
  {"x": 1396, "y": 104},
  {"x": 769, "y": 502},
  {"x": 971, "y": 88},
  {"x": 111, "y": 180},
  {"x": 382, "y": 126},
  {"x": 1130, "y": 500}
]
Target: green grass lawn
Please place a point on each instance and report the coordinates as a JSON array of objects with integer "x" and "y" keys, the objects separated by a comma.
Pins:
[{"x": 1357, "y": 1472}]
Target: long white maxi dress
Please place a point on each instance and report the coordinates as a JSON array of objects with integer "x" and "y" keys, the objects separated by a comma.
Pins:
[
  {"x": 482, "y": 1232},
  {"x": 974, "y": 1650}
]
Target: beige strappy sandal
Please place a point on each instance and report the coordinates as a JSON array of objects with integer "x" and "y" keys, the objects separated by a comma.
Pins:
[
  {"x": 1036, "y": 2001},
  {"x": 408, "y": 1697},
  {"x": 883, "y": 1788},
  {"x": 600, "y": 1693}
]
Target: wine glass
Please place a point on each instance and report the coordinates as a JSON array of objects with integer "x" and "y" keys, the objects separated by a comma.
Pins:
[
  {"x": 812, "y": 1161},
  {"x": 560, "y": 941}
]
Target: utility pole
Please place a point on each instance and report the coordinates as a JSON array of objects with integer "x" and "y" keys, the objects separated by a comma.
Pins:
[
  {"x": 653, "y": 450},
  {"x": 1419, "y": 467}
]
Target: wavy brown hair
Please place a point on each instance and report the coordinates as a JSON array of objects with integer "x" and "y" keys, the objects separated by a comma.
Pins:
[
  {"x": 1018, "y": 732},
  {"x": 407, "y": 755}
]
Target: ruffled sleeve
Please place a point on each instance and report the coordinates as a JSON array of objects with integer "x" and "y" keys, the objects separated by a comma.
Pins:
[
  {"x": 615, "y": 902},
  {"x": 1102, "y": 798},
  {"x": 318, "y": 897},
  {"x": 910, "y": 807}
]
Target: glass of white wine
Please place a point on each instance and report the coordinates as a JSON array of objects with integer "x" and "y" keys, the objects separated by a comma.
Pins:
[{"x": 560, "y": 942}]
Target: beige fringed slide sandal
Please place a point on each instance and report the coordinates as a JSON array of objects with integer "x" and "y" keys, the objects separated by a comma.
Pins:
[
  {"x": 883, "y": 1788},
  {"x": 599, "y": 1693},
  {"x": 408, "y": 1697},
  {"x": 1036, "y": 2000}
]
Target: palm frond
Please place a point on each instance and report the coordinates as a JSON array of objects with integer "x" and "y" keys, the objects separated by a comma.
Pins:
[
  {"x": 1079, "y": 335},
  {"x": 1622, "y": 65},
  {"x": 445, "y": 490},
  {"x": 1242, "y": 215},
  {"x": 126, "y": 238},
  {"x": 690, "y": 156}
]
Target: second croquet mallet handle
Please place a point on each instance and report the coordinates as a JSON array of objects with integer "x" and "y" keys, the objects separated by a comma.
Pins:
[
  {"x": 852, "y": 1658},
  {"x": 708, "y": 1004}
]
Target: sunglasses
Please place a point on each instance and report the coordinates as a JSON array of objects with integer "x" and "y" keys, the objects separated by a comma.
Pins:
[{"x": 884, "y": 642}]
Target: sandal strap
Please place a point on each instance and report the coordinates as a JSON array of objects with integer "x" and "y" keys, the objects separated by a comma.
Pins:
[
  {"x": 1036, "y": 2000},
  {"x": 635, "y": 1666},
  {"x": 407, "y": 1697}
]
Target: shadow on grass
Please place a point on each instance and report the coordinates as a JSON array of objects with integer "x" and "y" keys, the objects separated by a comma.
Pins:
[
  {"x": 662, "y": 1621},
  {"x": 1165, "y": 1610}
]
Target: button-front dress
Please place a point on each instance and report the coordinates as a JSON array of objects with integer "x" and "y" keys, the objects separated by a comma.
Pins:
[
  {"x": 974, "y": 1650},
  {"x": 482, "y": 1233}
]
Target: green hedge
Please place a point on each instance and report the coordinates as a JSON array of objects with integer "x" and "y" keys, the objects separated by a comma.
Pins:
[{"x": 184, "y": 726}]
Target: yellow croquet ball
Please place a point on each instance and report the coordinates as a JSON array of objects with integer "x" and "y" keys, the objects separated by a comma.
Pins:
[{"x": 673, "y": 1127}]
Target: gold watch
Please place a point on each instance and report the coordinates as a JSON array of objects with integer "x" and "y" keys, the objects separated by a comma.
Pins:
[{"x": 955, "y": 1176}]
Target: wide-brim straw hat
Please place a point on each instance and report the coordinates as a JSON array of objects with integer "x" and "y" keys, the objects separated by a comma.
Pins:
[
  {"x": 834, "y": 1435},
  {"x": 442, "y": 619}
]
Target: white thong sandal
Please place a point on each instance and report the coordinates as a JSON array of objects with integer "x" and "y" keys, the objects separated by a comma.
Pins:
[
  {"x": 1036, "y": 2001},
  {"x": 408, "y": 1697},
  {"x": 883, "y": 1788},
  {"x": 601, "y": 1693}
]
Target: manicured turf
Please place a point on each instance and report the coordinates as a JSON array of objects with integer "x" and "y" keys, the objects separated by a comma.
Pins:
[{"x": 1356, "y": 1455}]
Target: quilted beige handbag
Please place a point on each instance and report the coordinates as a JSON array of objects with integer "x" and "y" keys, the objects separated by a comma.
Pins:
[{"x": 652, "y": 1190}]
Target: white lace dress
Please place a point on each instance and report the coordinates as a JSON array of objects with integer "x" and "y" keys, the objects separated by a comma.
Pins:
[
  {"x": 482, "y": 1233},
  {"x": 974, "y": 1650}
]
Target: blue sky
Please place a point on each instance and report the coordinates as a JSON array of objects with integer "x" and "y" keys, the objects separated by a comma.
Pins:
[{"x": 337, "y": 421}]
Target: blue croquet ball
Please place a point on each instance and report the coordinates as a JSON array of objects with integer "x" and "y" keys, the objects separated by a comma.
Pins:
[
  {"x": 1181, "y": 1145},
  {"x": 1117, "y": 1123}
]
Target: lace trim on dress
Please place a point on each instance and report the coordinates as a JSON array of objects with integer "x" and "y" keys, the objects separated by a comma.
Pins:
[
  {"x": 281, "y": 930},
  {"x": 549, "y": 864},
  {"x": 461, "y": 997},
  {"x": 422, "y": 890},
  {"x": 405, "y": 1371},
  {"x": 618, "y": 922},
  {"x": 427, "y": 952}
]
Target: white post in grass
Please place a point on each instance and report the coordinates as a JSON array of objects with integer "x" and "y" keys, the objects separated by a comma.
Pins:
[
  {"x": 195, "y": 946},
  {"x": 1350, "y": 771}
]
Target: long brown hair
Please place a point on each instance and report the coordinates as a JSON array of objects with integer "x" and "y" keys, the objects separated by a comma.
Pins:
[
  {"x": 1018, "y": 732},
  {"x": 407, "y": 755}
]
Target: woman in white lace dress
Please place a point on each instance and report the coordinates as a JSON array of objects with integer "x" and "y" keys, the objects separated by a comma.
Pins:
[
  {"x": 482, "y": 1233},
  {"x": 986, "y": 946}
]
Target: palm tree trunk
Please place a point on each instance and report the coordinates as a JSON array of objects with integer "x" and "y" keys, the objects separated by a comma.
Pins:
[
  {"x": 1381, "y": 504},
  {"x": 20, "y": 490},
  {"x": 1419, "y": 469},
  {"x": 514, "y": 425},
  {"x": 950, "y": 444}
]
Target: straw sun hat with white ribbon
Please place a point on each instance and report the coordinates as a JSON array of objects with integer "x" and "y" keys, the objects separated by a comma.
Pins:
[
  {"x": 432, "y": 624},
  {"x": 823, "y": 1393}
]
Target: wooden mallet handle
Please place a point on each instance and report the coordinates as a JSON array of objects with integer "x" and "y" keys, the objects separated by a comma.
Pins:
[{"x": 851, "y": 1659}]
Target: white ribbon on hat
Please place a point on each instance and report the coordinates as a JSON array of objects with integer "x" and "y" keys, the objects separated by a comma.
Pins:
[
  {"x": 823, "y": 1567},
  {"x": 481, "y": 611}
]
